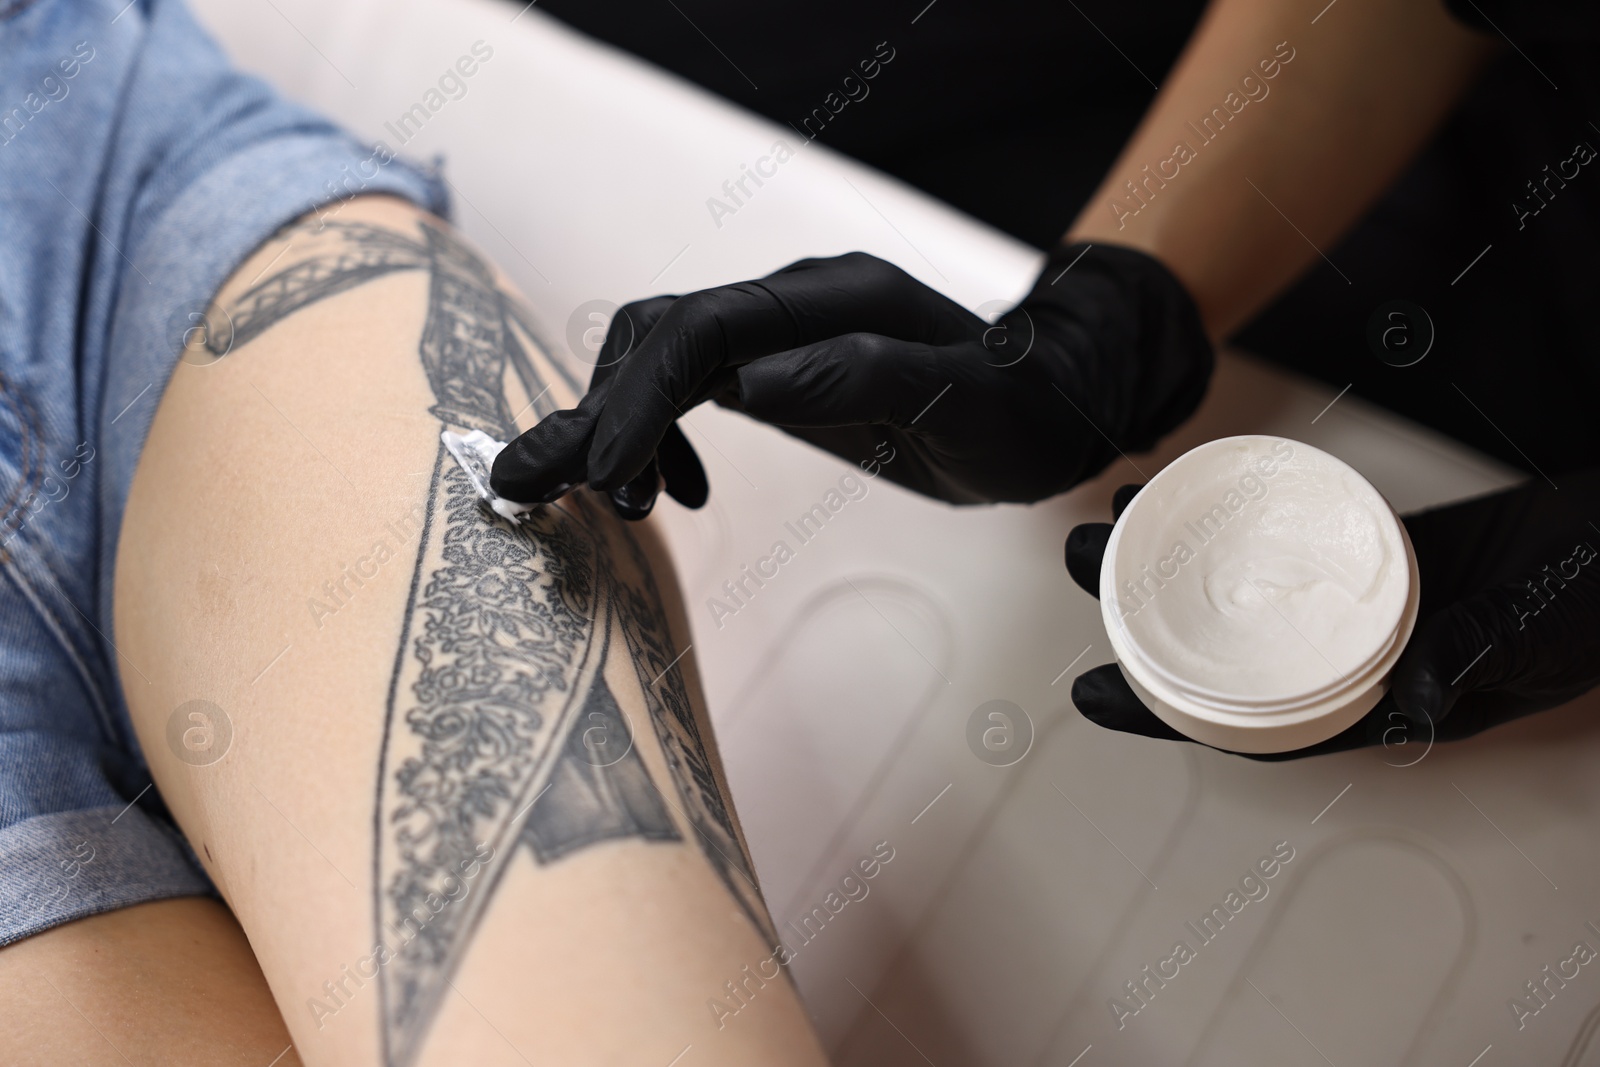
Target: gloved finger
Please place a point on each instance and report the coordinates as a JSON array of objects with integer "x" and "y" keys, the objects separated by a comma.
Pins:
[
  {"x": 547, "y": 461},
  {"x": 1122, "y": 498},
  {"x": 681, "y": 469},
  {"x": 634, "y": 500},
  {"x": 860, "y": 293},
  {"x": 1489, "y": 640},
  {"x": 1426, "y": 680},
  {"x": 1104, "y": 697},
  {"x": 676, "y": 366},
  {"x": 1086, "y": 547},
  {"x": 663, "y": 377},
  {"x": 1475, "y": 643},
  {"x": 1086, "y": 543},
  {"x": 628, "y": 327},
  {"x": 856, "y": 379},
  {"x": 552, "y": 457}
]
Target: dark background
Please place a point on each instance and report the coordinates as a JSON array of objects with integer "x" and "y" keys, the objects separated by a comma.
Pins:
[{"x": 1013, "y": 112}]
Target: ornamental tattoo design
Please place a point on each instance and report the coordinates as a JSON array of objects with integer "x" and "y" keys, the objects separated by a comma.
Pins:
[{"x": 502, "y": 730}]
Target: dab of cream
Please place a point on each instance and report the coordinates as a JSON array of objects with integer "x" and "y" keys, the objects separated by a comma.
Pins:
[
  {"x": 475, "y": 452},
  {"x": 1258, "y": 581}
]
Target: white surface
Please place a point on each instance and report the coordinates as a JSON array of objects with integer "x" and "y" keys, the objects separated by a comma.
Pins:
[{"x": 1021, "y": 899}]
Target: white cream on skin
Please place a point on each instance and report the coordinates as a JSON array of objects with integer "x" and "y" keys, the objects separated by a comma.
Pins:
[
  {"x": 475, "y": 452},
  {"x": 1256, "y": 574}
]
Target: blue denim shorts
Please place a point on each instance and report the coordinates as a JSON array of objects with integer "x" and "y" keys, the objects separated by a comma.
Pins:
[{"x": 137, "y": 170}]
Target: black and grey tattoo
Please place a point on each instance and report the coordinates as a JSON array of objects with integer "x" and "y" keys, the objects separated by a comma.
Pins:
[{"x": 502, "y": 729}]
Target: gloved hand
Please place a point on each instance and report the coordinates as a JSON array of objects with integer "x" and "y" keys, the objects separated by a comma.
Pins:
[
  {"x": 1509, "y": 621},
  {"x": 1106, "y": 352}
]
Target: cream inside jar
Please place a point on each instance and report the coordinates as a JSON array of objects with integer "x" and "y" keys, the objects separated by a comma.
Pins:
[{"x": 1257, "y": 593}]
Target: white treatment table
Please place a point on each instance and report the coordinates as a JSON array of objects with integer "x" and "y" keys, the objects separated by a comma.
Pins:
[{"x": 1020, "y": 899}]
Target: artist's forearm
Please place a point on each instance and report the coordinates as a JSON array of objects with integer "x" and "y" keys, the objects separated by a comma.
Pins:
[{"x": 1236, "y": 184}]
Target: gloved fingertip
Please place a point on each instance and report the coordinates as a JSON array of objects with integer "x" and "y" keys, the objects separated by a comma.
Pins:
[
  {"x": 507, "y": 473},
  {"x": 549, "y": 496},
  {"x": 1085, "y": 549},
  {"x": 545, "y": 462},
  {"x": 634, "y": 500},
  {"x": 630, "y": 505},
  {"x": 527, "y": 481},
  {"x": 690, "y": 497},
  {"x": 682, "y": 470},
  {"x": 1102, "y": 695},
  {"x": 1419, "y": 695},
  {"x": 610, "y": 465},
  {"x": 1102, "y": 717},
  {"x": 1122, "y": 498}
]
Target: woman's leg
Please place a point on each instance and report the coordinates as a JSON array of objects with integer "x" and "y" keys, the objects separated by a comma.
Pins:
[
  {"x": 170, "y": 982},
  {"x": 453, "y": 776}
]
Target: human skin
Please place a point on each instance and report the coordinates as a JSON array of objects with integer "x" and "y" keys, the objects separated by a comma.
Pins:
[
  {"x": 494, "y": 731},
  {"x": 172, "y": 981},
  {"x": 1290, "y": 173},
  {"x": 229, "y": 540}
]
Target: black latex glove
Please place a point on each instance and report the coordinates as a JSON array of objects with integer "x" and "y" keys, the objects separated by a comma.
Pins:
[
  {"x": 850, "y": 352},
  {"x": 1509, "y": 622},
  {"x": 564, "y": 436}
]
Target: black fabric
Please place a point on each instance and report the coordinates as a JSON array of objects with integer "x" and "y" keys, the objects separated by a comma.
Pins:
[{"x": 1013, "y": 111}]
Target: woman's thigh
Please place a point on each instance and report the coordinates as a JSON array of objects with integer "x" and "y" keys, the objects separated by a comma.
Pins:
[
  {"x": 453, "y": 776},
  {"x": 171, "y": 982}
]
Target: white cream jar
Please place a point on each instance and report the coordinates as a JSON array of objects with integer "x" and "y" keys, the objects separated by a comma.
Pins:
[{"x": 1257, "y": 593}]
